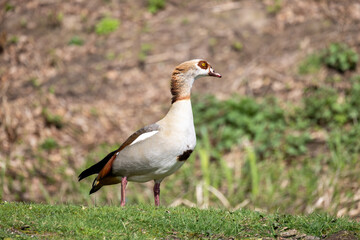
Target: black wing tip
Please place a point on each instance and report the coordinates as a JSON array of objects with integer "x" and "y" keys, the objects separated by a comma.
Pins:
[
  {"x": 94, "y": 190},
  {"x": 96, "y": 168},
  {"x": 82, "y": 176}
]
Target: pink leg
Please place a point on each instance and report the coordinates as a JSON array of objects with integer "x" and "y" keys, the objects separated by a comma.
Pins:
[
  {"x": 157, "y": 193},
  {"x": 123, "y": 186}
]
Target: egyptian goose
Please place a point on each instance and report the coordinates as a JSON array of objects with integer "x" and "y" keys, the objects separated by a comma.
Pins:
[{"x": 157, "y": 150}]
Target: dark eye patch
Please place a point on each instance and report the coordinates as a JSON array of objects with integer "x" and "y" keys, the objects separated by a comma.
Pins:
[{"x": 203, "y": 64}]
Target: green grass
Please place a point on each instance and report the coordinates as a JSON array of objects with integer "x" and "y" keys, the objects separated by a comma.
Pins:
[
  {"x": 52, "y": 119},
  {"x": 156, "y": 5},
  {"x": 76, "y": 40},
  {"x": 49, "y": 144},
  {"x": 25, "y": 221},
  {"x": 107, "y": 25},
  {"x": 310, "y": 65}
]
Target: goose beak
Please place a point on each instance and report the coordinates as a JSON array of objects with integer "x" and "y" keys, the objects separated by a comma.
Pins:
[{"x": 213, "y": 73}]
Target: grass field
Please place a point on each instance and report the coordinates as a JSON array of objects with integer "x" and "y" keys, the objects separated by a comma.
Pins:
[{"x": 28, "y": 221}]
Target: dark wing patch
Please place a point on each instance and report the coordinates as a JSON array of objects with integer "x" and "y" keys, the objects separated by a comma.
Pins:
[
  {"x": 185, "y": 155},
  {"x": 96, "y": 168}
]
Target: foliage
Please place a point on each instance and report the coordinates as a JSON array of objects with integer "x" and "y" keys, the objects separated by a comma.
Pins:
[
  {"x": 268, "y": 126},
  {"x": 254, "y": 173},
  {"x": 322, "y": 107},
  {"x": 49, "y": 144},
  {"x": 231, "y": 121},
  {"x": 106, "y": 26},
  {"x": 340, "y": 57},
  {"x": 237, "y": 46},
  {"x": 311, "y": 64},
  {"x": 274, "y": 7},
  {"x": 337, "y": 56},
  {"x": 34, "y": 81},
  {"x": 346, "y": 141},
  {"x": 296, "y": 145},
  {"x": 353, "y": 99},
  {"x": 76, "y": 40},
  {"x": 155, "y": 5},
  {"x": 25, "y": 221},
  {"x": 13, "y": 39},
  {"x": 9, "y": 7},
  {"x": 144, "y": 51},
  {"x": 277, "y": 135},
  {"x": 55, "y": 19},
  {"x": 52, "y": 119}
]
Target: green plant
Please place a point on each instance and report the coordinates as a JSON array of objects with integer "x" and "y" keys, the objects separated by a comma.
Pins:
[
  {"x": 52, "y": 89},
  {"x": 146, "y": 28},
  {"x": 205, "y": 170},
  {"x": 94, "y": 111},
  {"x": 35, "y": 82},
  {"x": 55, "y": 19},
  {"x": 237, "y": 46},
  {"x": 52, "y": 119},
  {"x": 311, "y": 64},
  {"x": 60, "y": 17},
  {"x": 9, "y": 7},
  {"x": 345, "y": 142},
  {"x": 353, "y": 99},
  {"x": 49, "y": 144},
  {"x": 340, "y": 57},
  {"x": 155, "y": 5},
  {"x": 106, "y": 26},
  {"x": 254, "y": 173},
  {"x": 295, "y": 145},
  {"x": 274, "y": 7},
  {"x": 322, "y": 107},
  {"x": 144, "y": 51},
  {"x": 14, "y": 39},
  {"x": 110, "y": 55},
  {"x": 229, "y": 121},
  {"x": 23, "y": 22},
  {"x": 76, "y": 40}
]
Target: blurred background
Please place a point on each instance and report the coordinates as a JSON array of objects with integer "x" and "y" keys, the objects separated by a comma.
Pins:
[{"x": 279, "y": 132}]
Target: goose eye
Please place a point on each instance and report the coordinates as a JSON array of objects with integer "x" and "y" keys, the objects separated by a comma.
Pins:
[{"x": 203, "y": 64}]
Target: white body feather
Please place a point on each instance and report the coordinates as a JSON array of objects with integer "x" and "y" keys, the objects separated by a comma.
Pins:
[{"x": 154, "y": 155}]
